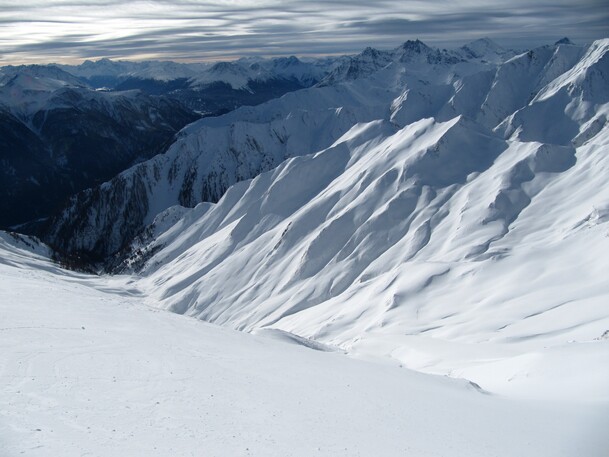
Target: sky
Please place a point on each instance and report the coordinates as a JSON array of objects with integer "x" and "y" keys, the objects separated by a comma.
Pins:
[{"x": 70, "y": 31}]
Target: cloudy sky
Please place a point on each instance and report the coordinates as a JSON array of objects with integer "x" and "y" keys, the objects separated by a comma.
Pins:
[{"x": 69, "y": 31}]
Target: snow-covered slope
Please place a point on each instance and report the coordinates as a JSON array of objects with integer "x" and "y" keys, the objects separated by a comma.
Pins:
[
  {"x": 573, "y": 107},
  {"x": 88, "y": 369},
  {"x": 438, "y": 213},
  {"x": 440, "y": 236},
  {"x": 440, "y": 243},
  {"x": 427, "y": 225},
  {"x": 214, "y": 153}
]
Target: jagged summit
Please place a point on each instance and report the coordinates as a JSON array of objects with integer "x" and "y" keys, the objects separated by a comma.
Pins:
[
  {"x": 416, "y": 51},
  {"x": 564, "y": 40},
  {"x": 414, "y": 45}
]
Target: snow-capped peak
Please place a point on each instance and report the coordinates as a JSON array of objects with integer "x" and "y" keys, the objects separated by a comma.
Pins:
[
  {"x": 564, "y": 40},
  {"x": 232, "y": 73},
  {"x": 44, "y": 74},
  {"x": 487, "y": 50}
]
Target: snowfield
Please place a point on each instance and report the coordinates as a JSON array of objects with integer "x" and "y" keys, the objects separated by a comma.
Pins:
[
  {"x": 419, "y": 267},
  {"x": 88, "y": 369}
]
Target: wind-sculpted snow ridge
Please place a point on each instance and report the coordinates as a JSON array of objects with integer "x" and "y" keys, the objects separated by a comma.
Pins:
[{"x": 576, "y": 101}]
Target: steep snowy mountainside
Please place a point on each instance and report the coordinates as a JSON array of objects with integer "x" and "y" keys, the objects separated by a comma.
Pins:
[
  {"x": 519, "y": 80},
  {"x": 214, "y": 153},
  {"x": 577, "y": 101},
  {"x": 209, "y": 156},
  {"x": 88, "y": 368},
  {"x": 487, "y": 49},
  {"x": 438, "y": 244}
]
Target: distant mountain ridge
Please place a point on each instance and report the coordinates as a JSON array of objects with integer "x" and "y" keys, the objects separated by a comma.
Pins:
[{"x": 206, "y": 88}]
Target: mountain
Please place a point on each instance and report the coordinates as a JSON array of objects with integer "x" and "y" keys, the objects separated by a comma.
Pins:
[
  {"x": 421, "y": 239},
  {"x": 214, "y": 153},
  {"x": 575, "y": 100},
  {"x": 60, "y": 136},
  {"x": 486, "y": 49},
  {"x": 210, "y": 89},
  {"x": 112, "y": 71},
  {"x": 444, "y": 245}
]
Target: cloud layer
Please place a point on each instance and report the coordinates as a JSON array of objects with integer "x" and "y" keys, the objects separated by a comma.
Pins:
[{"x": 34, "y": 31}]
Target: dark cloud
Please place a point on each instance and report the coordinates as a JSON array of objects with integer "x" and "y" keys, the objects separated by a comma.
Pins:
[{"x": 58, "y": 30}]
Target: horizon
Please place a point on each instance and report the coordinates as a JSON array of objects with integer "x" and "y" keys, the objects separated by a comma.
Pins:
[
  {"x": 235, "y": 58},
  {"x": 186, "y": 31}
]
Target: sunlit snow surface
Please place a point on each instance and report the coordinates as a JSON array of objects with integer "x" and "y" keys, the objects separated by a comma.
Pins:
[
  {"x": 466, "y": 239},
  {"x": 87, "y": 369},
  {"x": 484, "y": 265}
]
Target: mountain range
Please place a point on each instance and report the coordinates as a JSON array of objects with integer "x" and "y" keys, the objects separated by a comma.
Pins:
[
  {"x": 441, "y": 211},
  {"x": 351, "y": 211}
]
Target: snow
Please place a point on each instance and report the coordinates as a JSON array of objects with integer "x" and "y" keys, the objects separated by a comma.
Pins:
[
  {"x": 419, "y": 220},
  {"x": 413, "y": 212},
  {"x": 236, "y": 74},
  {"x": 487, "y": 50},
  {"x": 89, "y": 369},
  {"x": 438, "y": 244},
  {"x": 159, "y": 70},
  {"x": 450, "y": 263}
]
